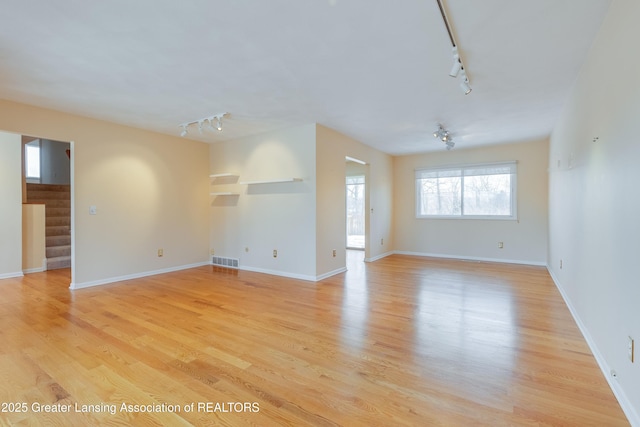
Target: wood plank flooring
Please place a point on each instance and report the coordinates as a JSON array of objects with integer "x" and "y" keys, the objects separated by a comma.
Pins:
[{"x": 404, "y": 341}]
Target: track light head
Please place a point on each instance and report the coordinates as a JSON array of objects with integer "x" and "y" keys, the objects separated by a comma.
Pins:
[
  {"x": 455, "y": 69},
  {"x": 465, "y": 86},
  {"x": 208, "y": 121},
  {"x": 445, "y": 136}
]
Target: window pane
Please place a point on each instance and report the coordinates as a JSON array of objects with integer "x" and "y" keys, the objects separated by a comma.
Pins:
[
  {"x": 487, "y": 195},
  {"x": 32, "y": 160},
  {"x": 478, "y": 191},
  {"x": 439, "y": 196}
]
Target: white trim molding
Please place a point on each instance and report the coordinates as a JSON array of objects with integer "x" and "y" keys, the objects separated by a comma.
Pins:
[
  {"x": 11, "y": 275},
  {"x": 106, "y": 281},
  {"x": 623, "y": 400},
  {"x": 471, "y": 258},
  {"x": 304, "y": 277},
  {"x": 377, "y": 257}
]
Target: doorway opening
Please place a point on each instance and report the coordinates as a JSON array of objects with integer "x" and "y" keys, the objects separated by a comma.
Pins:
[
  {"x": 47, "y": 194},
  {"x": 355, "y": 212}
]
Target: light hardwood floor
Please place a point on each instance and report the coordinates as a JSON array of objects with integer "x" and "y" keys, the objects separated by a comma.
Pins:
[{"x": 404, "y": 341}]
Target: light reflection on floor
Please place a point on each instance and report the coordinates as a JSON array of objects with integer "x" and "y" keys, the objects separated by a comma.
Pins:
[
  {"x": 463, "y": 321},
  {"x": 355, "y": 301}
]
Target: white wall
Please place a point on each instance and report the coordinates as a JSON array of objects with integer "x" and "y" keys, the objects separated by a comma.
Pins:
[
  {"x": 150, "y": 191},
  {"x": 333, "y": 147},
  {"x": 54, "y": 164},
  {"x": 10, "y": 205},
  {"x": 305, "y": 221},
  {"x": 594, "y": 226},
  {"x": 265, "y": 217},
  {"x": 524, "y": 240}
]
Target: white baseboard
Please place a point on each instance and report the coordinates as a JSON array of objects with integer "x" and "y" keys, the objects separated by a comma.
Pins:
[
  {"x": 279, "y": 273},
  {"x": 471, "y": 258},
  {"x": 293, "y": 275},
  {"x": 37, "y": 269},
  {"x": 10, "y": 275},
  {"x": 625, "y": 404},
  {"x": 377, "y": 257},
  {"x": 34, "y": 270},
  {"x": 331, "y": 273},
  {"x": 135, "y": 276}
]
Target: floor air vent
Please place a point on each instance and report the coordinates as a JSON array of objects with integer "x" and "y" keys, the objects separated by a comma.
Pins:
[{"x": 225, "y": 262}]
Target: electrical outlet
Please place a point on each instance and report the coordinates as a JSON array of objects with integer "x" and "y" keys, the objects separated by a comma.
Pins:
[
  {"x": 160, "y": 252},
  {"x": 500, "y": 245},
  {"x": 334, "y": 253},
  {"x": 275, "y": 253},
  {"x": 212, "y": 251},
  {"x": 560, "y": 264},
  {"x": 631, "y": 349},
  {"x": 382, "y": 241},
  {"x": 246, "y": 249}
]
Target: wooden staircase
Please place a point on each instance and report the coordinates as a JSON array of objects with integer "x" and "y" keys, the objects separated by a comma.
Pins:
[{"x": 57, "y": 201}]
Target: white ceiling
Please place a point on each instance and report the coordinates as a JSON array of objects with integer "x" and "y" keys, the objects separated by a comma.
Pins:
[{"x": 375, "y": 70}]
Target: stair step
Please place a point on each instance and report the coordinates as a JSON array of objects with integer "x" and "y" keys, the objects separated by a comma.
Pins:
[
  {"x": 58, "y": 240},
  {"x": 58, "y": 251},
  {"x": 48, "y": 195},
  {"x": 57, "y": 230},
  {"x": 58, "y": 262},
  {"x": 57, "y": 201},
  {"x": 47, "y": 187},
  {"x": 54, "y": 203},
  {"x": 58, "y": 220},
  {"x": 57, "y": 212}
]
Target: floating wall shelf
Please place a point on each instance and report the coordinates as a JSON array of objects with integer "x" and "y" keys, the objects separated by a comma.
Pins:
[
  {"x": 222, "y": 175},
  {"x": 272, "y": 181}
]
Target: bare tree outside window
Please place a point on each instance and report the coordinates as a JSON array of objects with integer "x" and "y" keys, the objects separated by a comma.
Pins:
[{"x": 469, "y": 191}]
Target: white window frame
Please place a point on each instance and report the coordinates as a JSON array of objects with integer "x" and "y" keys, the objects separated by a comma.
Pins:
[{"x": 419, "y": 174}]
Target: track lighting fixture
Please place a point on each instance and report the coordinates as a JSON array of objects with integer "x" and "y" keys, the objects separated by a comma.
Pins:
[
  {"x": 445, "y": 136},
  {"x": 457, "y": 65},
  {"x": 458, "y": 69},
  {"x": 465, "y": 86},
  {"x": 201, "y": 124}
]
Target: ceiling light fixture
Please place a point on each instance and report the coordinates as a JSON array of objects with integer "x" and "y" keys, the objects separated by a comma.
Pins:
[
  {"x": 445, "y": 136},
  {"x": 201, "y": 124},
  {"x": 458, "y": 66}
]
